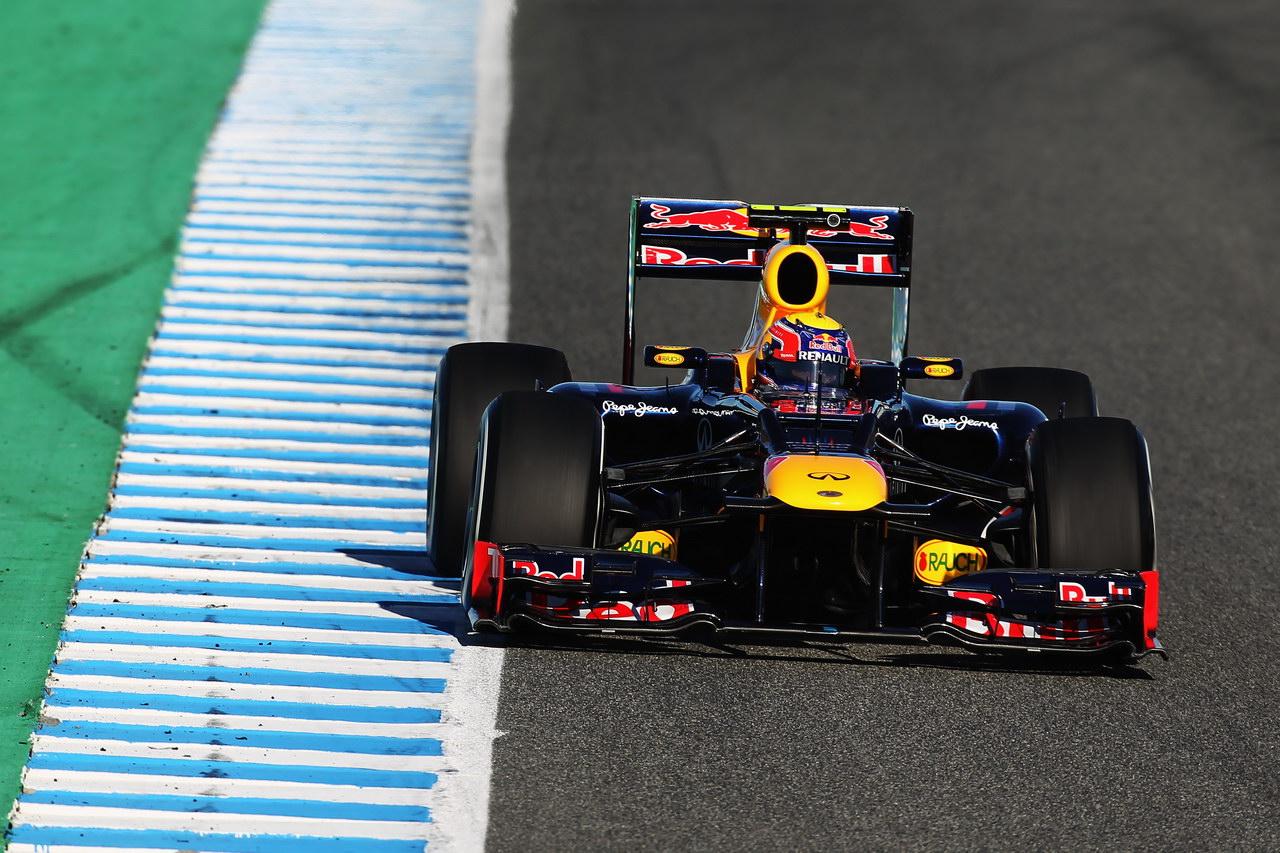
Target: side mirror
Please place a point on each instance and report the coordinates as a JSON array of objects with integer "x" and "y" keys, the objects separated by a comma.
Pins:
[
  {"x": 877, "y": 382},
  {"x": 931, "y": 367},
  {"x": 681, "y": 357}
]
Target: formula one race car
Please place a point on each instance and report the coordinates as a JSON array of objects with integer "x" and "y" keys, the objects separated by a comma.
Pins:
[{"x": 788, "y": 485}]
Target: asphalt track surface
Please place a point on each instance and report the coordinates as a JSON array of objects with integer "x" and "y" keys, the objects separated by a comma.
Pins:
[{"x": 1095, "y": 188}]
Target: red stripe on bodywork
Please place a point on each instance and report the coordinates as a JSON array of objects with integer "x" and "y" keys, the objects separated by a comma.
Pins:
[
  {"x": 483, "y": 597},
  {"x": 1150, "y": 606}
]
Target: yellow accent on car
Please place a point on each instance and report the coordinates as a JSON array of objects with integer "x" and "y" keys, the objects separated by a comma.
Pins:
[
  {"x": 655, "y": 543},
  {"x": 845, "y": 483},
  {"x": 770, "y": 284},
  {"x": 938, "y": 561}
]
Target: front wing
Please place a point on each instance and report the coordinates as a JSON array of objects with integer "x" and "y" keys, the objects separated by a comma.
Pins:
[{"x": 589, "y": 590}]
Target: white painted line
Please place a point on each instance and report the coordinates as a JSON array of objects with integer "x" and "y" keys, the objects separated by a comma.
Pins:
[
  {"x": 304, "y": 321},
  {"x": 214, "y": 722},
  {"x": 281, "y": 353},
  {"x": 214, "y": 384},
  {"x": 490, "y": 267},
  {"x": 281, "y": 632},
  {"x": 440, "y": 199},
  {"x": 355, "y": 272},
  {"x": 335, "y": 491},
  {"x": 300, "y": 425},
  {"x": 400, "y": 239},
  {"x": 259, "y": 404},
  {"x": 341, "y": 536},
  {"x": 246, "y": 692},
  {"x": 90, "y": 782},
  {"x": 276, "y": 204},
  {"x": 369, "y": 228},
  {"x": 246, "y": 661},
  {"x": 282, "y": 510},
  {"x": 433, "y": 287},
  {"x": 408, "y": 173},
  {"x": 95, "y": 817},
  {"x": 342, "y": 374},
  {"x": 230, "y": 556},
  {"x": 295, "y": 157},
  {"x": 246, "y": 754},
  {"x": 265, "y": 445},
  {"x": 220, "y": 602},
  {"x": 256, "y": 464},
  {"x": 302, "y": 581},
  {"x": 436, "y": 335},
  {"x": 307, "y": 256},
  {"x": 274, "y": 605},
  {"x": 80, "y": 848}
]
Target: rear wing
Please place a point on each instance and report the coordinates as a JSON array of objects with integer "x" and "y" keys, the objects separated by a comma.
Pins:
[{"x": 728, "y": 240}]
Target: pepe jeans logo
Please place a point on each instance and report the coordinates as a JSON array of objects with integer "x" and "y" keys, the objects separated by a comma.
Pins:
[
  {"x": 960, "y": 423},
  {"x": 609, "y": 407},
  {"x": 827, "y": 475}
]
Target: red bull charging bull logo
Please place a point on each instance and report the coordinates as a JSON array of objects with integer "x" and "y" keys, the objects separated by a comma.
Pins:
[{"x": 734, "y": 219}]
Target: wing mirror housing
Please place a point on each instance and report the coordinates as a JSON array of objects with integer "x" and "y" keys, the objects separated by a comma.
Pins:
[
  {"x": 931, "y": 367},
  {"x": 877, "y": 382},
  {"x": 683, "y": 358}
]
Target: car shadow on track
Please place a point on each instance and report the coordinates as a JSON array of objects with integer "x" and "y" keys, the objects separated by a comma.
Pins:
[{"x": 811, "y": 652}]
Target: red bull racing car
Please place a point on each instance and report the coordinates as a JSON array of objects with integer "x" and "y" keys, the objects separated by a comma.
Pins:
[{"x": 789, "y": 485}]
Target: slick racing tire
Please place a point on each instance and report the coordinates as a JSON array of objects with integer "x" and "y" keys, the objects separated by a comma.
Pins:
[
  {"x": 538, "y": 481},
  {"x": 1090, "y": 484},
  {"x": 470, "y": 375},
  {"x": 1046, "y": 388}
]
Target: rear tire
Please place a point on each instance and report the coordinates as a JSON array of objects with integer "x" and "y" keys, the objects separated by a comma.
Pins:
[
  {"x": 469, "y": 377},
  {"x": 538, "y": 481},
  {"x": 1090, "y": 483},
  {"x": 1046, "y": 388}
]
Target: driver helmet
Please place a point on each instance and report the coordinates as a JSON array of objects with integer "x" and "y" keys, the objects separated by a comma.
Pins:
[{"x": 805, "y": 353}]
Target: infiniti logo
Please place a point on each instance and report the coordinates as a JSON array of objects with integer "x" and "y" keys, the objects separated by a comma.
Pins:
[{"x": 827, "y": 475}]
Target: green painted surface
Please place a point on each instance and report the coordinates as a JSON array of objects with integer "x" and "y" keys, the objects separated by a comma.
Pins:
[{"x": 105, "y": 106}]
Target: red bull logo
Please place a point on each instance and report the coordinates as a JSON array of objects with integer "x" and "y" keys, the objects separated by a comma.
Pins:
[
  {"x": 735, "y": 219},
  {"x": 723, "y": 219},
  {"x": 871, "y": 229},
  {"x": 665, "y": 256},
  {"x": 827, "y": 343}
]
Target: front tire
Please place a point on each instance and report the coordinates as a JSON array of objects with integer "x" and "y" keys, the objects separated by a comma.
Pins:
[
  {"x": 538, "y": 481},
  {"x": 469, "y": 377},
  {"x": 1090, "y": 483},
  {"x": 1049, "y": 389}
]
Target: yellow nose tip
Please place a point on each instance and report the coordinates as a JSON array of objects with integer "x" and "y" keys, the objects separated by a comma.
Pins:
[{"x": 848, "y": 483}]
